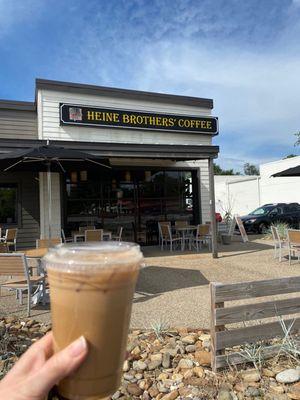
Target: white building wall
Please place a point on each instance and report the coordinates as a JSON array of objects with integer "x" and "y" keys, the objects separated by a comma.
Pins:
[
  {"x": 49, "y": 128},
  {"x": 244, "y": 194},
  {"x": 236, "y": 194},
  {"x": 279, "y": 190}
]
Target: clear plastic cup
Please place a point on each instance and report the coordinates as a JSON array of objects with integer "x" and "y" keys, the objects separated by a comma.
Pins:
[{"x": 91, "y": 291}]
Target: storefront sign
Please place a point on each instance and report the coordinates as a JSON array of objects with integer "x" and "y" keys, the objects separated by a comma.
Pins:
[{"x": 105, "y": 117}]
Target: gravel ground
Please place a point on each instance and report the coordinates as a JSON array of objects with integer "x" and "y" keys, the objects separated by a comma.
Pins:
[{"x": 174, "y": 288}]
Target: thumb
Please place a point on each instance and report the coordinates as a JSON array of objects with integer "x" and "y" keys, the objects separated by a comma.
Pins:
[{"x": 61, "y": 365}]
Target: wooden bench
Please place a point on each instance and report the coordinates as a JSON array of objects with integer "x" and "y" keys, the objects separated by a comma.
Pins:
[{"x": 222, "y": 315}]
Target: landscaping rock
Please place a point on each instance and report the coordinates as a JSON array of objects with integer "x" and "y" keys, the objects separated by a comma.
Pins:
[
  {"x": 294, "y": 392},
  {"x": 191, "y": 348},
  {"x": 185, "y": 363},
  {"x": 133, "y": 389},
  {"x": 288, "y": 376},
  {"x": 166, "y": 360},
  {"x": 154, "y": 364},
  {"x": 224, "y": 395},
  {"x": 250, "y": 376},
  {"x": 203, "y": 358},
  {"x": 126, "y": 366},
  {"x": 171, "y": 396},
  {"x": 190, "y": 339}
]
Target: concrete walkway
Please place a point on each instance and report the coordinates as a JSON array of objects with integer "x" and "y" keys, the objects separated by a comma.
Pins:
[{"x": 174, "y": 288}]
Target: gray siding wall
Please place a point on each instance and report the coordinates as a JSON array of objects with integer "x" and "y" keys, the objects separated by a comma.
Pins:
[
  {"x": 28, "y": 207},
  {"x": 22, "y": 124},
  {"x": 18, "y": 124}
]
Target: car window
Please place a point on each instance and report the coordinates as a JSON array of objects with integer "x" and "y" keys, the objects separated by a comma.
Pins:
[
  {"x": 261, "y": 211},
  {"x": 276, "y": 211},
  {"x": 293, "y": 207}
]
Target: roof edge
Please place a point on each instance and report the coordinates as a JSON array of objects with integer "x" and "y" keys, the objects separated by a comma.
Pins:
[
  {"x": 124, "y": 93},
  {"x": 17, "y": 105}
]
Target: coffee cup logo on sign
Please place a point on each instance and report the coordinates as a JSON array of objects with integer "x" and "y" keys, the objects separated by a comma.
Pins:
[{"x": 75, "y": 113}]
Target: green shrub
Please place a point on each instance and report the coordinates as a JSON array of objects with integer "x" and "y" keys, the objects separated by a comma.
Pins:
[{"x": 281, "y": 227}]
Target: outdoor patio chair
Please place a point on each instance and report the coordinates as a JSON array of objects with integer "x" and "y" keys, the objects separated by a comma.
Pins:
[
  {"x": 293, "y": 237},
  {"x": 15, "y": 265},
  {"x": 10, "y": 238},
  {"x": 279, "y": 243},
  {"x": 181, "y": 224},
  {"x": 47, "y": 242},
  {"x": 159, "y": 233},
  {"x": 203, "y": 236},
  {"x": 64, "y": 238},
  {"x": 166, "y": 236},
  {"x": 82, "y": 229},
  {"x": 118, "y": 236},
  {"x": 94, "y": 235}
]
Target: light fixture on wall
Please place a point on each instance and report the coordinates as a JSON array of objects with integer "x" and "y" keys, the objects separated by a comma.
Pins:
[
  {"x": 148, "y": 176},
  {"x": 83, "y": 176},
  {"x": 74, "y": 177},
  {"x": 114, "y": 184},
  {"x": 127, "y": 176}
]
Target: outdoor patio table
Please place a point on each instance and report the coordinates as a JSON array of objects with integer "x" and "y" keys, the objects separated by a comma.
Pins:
[{"x": 185, "y": 232}]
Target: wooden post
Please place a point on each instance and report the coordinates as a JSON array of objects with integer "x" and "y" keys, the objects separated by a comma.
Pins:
[
  {"x": 213, "y": 328},
  {"x": 212, "y": 208}
]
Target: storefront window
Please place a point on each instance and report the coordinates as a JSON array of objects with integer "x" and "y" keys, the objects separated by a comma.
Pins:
[
  {"x": 135, "y": 199},
  {"x": 8, "y": 203}
]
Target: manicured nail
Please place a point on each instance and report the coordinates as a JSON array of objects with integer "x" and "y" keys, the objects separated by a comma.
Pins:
[{"x": 78, "y": 347}]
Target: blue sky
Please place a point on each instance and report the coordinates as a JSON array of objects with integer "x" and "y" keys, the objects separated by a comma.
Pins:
[{"x": 243, "y": 54}]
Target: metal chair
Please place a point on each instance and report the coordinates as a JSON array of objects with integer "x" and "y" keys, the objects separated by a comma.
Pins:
[
  {"x": 203, "y": 236},
  {"x": 15, "y": 264},
  {"x": 279, "y": 244},
  {"x": 118, "y": 236},
  {"x": 64, "y": 238},
  {"x": 47, "y": 242},
  {"x": 10, "y": 238},
  {"x": 293, "y": 237},
  {"x": 166, "y": 236},
  {"x": 94, "y": 235}
]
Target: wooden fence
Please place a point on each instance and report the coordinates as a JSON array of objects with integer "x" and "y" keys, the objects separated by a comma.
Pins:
[{"x": 221, "y": 316}]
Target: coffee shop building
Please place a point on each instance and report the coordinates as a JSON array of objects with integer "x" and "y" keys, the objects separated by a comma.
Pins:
[{"x": 159, "y": 148}]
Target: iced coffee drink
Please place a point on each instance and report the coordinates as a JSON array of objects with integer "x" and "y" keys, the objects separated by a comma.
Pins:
[{"x": 91, "y": 291}]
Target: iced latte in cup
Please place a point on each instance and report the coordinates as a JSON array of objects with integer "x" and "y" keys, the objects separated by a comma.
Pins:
[{"x": 91, "y": 291}]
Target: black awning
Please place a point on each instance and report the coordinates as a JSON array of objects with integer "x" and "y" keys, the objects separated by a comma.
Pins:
[
  {"x": 126, "y": 150},
  {"x": 294, "y": 171}
]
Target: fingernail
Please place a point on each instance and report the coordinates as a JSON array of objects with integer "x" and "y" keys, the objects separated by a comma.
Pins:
[{"x": 78, "y": 347}]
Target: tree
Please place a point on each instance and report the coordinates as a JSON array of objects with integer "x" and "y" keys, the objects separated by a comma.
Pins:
[
  {"x": 251, "y": 169},
  {"x": 219, "y": 171},
  {"x": 297, "y": 143},
  {"x": 289, "y": 156}
]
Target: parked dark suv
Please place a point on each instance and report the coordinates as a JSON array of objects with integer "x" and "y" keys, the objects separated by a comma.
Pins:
[{"x": 260, "y": 219}]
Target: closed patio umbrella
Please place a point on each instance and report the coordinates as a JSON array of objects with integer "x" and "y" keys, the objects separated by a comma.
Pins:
[{"x": 48, "y": 159}]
